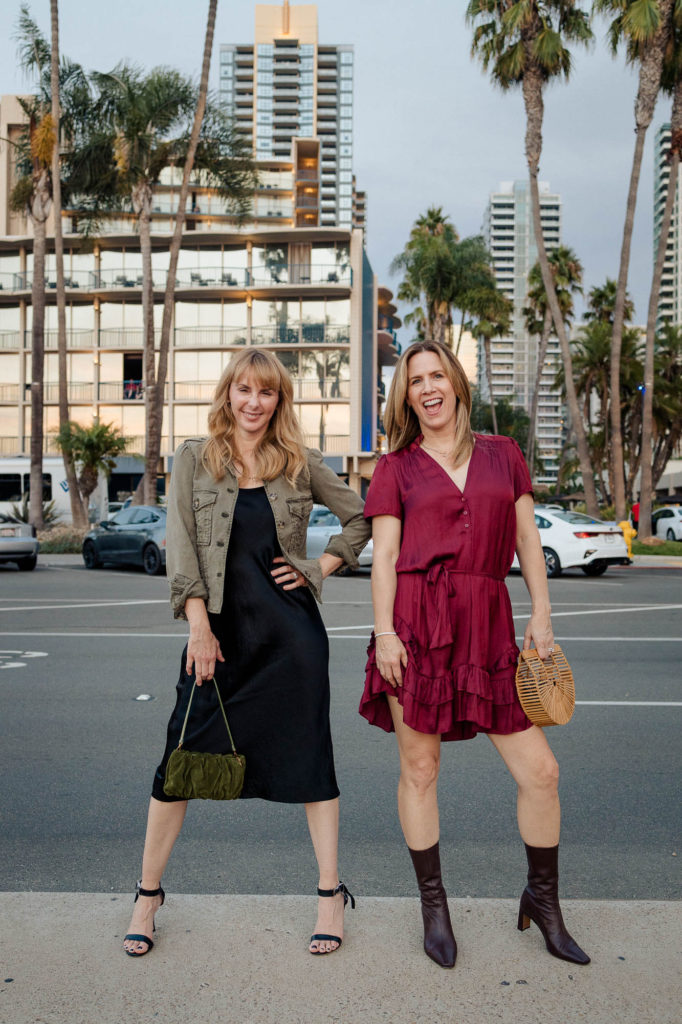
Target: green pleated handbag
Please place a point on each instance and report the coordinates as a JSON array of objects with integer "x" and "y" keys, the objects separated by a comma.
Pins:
[{"x": 191, "y": 775}]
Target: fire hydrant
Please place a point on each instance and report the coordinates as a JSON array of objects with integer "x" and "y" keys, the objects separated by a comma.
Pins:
[{"x": 628, "y": 532}]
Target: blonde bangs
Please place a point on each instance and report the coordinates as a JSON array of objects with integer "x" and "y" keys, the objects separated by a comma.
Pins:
[
  {"x": 282, "y": 449},
  {"x": 400, "y": 420}
]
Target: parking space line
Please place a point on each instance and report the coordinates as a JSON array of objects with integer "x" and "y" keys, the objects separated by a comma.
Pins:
[
  {"x": 613, "y": 611},
  {"x": 89, "y": 604},
  {"x": 633, "y": 703}
]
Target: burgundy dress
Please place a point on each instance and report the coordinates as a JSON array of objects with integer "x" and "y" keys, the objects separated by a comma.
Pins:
[{"x": 452, "y": 609}]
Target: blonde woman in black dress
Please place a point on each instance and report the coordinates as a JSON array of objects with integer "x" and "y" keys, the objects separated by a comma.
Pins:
[{"x": 238, "y": 572}]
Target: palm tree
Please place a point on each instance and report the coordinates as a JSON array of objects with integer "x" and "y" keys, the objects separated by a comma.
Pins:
[
  {"x": 522, "y": 42},
  {"x": 144, "y": 127},
  {"x": 428, "y": 266},
  {"x": 93, "y": 450},
  {"x": 495, "y": 314},
  {"x": 645, "y": 27},
  {"x": 567, "y": 273},
  {"x": 671, "y": 83},
  {"x": 79, "y": 515}
]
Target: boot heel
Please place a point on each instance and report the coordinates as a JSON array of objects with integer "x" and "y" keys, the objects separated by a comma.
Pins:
[{"x": 523, "y": 922}]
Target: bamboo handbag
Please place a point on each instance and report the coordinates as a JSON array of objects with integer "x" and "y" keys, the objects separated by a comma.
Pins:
[{"x": 546, "y": 688}]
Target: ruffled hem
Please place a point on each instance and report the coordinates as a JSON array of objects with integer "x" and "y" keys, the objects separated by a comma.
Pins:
[{"x": 456, "y": 705}]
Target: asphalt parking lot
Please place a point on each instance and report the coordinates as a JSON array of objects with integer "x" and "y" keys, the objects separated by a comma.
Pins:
[{"x": 78, "y": 748}]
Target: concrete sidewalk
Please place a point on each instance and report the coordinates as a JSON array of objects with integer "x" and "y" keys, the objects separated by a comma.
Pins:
[{"x": 244, "y": 960}]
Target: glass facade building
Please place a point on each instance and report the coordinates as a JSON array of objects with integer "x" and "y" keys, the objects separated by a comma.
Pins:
[{"x": 285, "y": 90}]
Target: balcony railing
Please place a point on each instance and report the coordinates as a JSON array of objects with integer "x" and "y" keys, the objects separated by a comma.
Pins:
[
  {"x": 209, "y": 277},
  {"x": 300, "y": 334},
  {"x": 209, "y": 337},
  {"x": 330, "y": 443},
  {"x": 9, "y": 392},
  {"x": 78, "y": 391}
]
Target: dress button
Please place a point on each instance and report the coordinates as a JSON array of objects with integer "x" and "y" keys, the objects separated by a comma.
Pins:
[
  {"x": 465, "y": 512},
  {"x": 466, "y": 526}
]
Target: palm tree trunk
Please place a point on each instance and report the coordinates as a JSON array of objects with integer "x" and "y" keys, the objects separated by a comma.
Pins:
[
  {"x": 532, "y": 96},
  {"x": 542, "y": 354},
  {"x": 647, "y": 93},
  {"x": 489, "y": 374},
  {"x": 40, "y": 207},
  {"x": 646, "y": 484},
  {"x": 156, "y": 413},
  {"x": 79, "y": 516},
  {"x": 459, "y": 336},
  {"x": 142, "y": 202}
]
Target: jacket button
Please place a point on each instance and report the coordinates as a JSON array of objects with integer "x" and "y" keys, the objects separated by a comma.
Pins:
[
  {"x": 220, "y": 544},
  {"x": 224, "y": 514},
  {"x": 195, "y": 503}
]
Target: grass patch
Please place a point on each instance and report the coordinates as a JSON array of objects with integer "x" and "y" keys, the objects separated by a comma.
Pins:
[
  {"x": 61, "y": 540},
  {"x": 668, "y": 547}
]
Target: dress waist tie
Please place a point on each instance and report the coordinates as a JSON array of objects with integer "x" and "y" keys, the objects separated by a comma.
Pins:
[{"x": 441, "y": 587}]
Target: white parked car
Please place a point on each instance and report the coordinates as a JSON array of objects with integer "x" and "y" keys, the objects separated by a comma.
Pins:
[
  {"x": 667, "y": 522},
  {"x": 18, "y": 542},
  {"x": 322, "y": 526},
  {"x": 571, "y": 539}
]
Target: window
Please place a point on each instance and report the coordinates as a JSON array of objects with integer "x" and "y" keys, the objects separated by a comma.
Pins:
[
  {"x": 346, "y": 56},
  {"x": 346, "y": 71},
  {"x": 346, "y": 85},
  {"x": 542, "y": 524},
  {"x": 10, "y": 487},
  {"x": 124, "y": 517}
]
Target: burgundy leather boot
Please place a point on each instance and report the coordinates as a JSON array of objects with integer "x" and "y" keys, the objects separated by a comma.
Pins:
[
  {"x": 540, "y": 903},
  {"x": 439, "y": 941}
]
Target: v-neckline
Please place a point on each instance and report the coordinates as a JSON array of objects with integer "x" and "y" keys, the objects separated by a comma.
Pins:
[{"x": 459, "y": 489}]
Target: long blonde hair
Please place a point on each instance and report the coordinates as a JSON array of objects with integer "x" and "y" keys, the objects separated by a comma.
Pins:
[
  {"x": 282, "y": 448},
  {"x": 400, "y": 420}
]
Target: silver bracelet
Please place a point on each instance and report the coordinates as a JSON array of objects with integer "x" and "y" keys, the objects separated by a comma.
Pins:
[{"x": 387, "y": 633}]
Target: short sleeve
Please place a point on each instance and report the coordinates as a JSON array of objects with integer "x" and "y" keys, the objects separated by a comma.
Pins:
[
  {"x": 519, "y": 470},
  {"x": 383, "y": 497}
]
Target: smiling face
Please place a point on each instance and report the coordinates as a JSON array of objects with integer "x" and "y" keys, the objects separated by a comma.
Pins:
[
  {"x": 430, "y": 393},
  {"x": 253, "y": 406}
]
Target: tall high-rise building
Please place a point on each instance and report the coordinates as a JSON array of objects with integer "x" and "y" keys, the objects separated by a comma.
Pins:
[
  {"x": 292, "y": 99},
  {"x": 670, "y": 298},
  {"x": 509, "y": 234}
]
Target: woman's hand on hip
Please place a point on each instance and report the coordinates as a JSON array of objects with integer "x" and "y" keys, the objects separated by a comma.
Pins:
[
  {"x": 539, "y": 633},
  {"x": 288, "y": 577},
  {"x": 203, "y": 650},
  {"x": 391, "y": 658}
]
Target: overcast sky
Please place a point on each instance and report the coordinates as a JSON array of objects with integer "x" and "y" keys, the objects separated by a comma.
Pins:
[{"x": 429, "y": 128}]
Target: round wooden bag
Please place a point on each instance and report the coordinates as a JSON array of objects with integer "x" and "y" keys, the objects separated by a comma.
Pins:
[{"x": 545, "y": 688}]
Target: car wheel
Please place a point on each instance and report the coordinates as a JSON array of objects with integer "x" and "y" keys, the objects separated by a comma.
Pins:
[
  {"x": 28, "y": 564},
  {"x": 670, "y": 535},
  {"x": 594, "y": 569},
  {"x": 552, "y": 563},
  {"x": 90, "y": 556},
  {"x": 151, "y": 560}
]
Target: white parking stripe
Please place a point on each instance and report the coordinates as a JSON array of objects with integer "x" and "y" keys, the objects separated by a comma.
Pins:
[
  {"x": 634, "y": 703},
  {"x": 613, "y": 611},
  {"x": 89, "y": 604}
]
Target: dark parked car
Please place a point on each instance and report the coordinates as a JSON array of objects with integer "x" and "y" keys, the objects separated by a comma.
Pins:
[
  {"x": 135, "y": 536},
  {"x": 18, "y": 542}
]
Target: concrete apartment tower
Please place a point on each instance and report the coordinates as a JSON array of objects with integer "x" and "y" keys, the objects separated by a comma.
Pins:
[
  {"x": 508, "y": 231},
  {"x": 292, "y": 99},
  {"x": 670, "y": 298}
]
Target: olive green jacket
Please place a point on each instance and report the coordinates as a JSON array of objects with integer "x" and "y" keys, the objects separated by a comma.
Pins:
[{"x": 199, "y": 521}]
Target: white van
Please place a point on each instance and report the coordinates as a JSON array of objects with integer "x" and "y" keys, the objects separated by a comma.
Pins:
[{"x": 15, "y": 476}]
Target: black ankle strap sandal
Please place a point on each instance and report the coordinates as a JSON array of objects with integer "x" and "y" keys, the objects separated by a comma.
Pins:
[
  {"x": 332, "y": 938},
  {"x": 139, "y": 891}
]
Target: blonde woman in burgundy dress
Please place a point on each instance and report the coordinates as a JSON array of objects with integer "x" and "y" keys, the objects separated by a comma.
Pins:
[{"x": 448, "y": 510}]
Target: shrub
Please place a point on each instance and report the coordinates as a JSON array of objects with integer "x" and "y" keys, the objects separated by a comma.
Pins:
[{"x": 61, "y": 540}]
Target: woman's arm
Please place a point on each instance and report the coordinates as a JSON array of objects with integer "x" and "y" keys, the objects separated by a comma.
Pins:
[
  {"x": 203, "y": 649},
  {"x": 390, "y": 653},
  {"x": 328, "y": 489},
  {"x": 182, "y": 563},
  {"x": 532, "y": 562}
]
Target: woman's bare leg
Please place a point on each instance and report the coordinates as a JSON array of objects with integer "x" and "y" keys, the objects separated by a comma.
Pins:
[
  {"x": 164, "y": 822},
  {"x": 417, "y": 788},
  {"x": 323, "y": 823},
  {"x": 533, "y": 766}
]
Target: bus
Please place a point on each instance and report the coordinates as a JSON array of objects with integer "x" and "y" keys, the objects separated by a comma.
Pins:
[{"x": 15, "y": 476}]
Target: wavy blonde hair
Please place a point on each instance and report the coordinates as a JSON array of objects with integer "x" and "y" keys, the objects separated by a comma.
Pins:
[
  {"x": 282, "y": 448},
  {"x": 400, "y": 420}
]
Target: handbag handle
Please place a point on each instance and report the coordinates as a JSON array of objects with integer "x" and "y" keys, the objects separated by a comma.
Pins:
[{"x": 189, "y": 705}]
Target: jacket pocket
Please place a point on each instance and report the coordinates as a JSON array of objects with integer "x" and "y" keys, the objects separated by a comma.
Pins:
[
  {"x": 203, "y": 503},
  {"x": 299, "y": 514}
]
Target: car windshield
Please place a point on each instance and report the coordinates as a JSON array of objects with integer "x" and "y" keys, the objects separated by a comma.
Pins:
[
  {"x": 575, "y": 517},
  {"x": 323, "y": 517}
]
